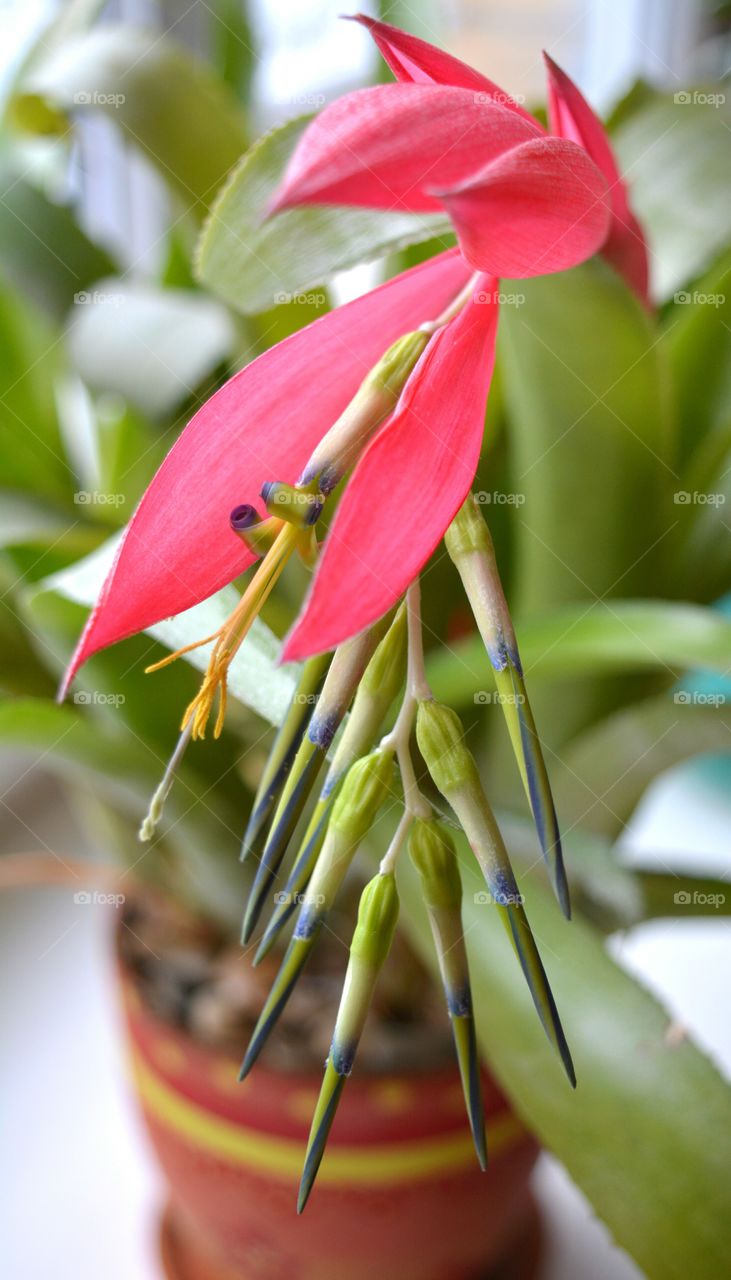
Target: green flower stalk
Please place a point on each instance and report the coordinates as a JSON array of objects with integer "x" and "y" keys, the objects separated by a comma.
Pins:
[
  {"x": 471, "y": 549},
  {"x": 366, "y": 787},
  {"x": 284, "y": 749},
  {"x": 341, "y": 682},
  {"x": 377, "y": 916},
  {"x": 432, "y": 852},
  {"x": 452, "y": 766},
  {"x": 381, "y": 682}
]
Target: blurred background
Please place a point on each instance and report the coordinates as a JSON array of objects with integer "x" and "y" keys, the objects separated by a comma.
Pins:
[{"x": 116, "y": 369}]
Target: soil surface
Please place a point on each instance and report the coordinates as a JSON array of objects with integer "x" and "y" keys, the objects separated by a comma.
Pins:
[{"x": 200, "y": 981}]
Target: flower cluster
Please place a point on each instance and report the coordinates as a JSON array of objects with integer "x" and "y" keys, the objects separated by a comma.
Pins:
[{"x": 373, "y": 418}]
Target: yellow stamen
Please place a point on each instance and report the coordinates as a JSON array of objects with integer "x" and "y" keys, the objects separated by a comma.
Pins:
[
  {"x": 230, "y": 637},
  {"x": 188, "y": 648}
]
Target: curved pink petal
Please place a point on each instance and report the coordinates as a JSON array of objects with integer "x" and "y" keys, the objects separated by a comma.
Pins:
[
  {"x": 389, "y": 146},
  {"x": 419, "y": 62},
  {"x": 571, "y": 117},
  {"x": 262, "y": 425},
  {"x": 541, "y": 207},
  {"x": 408, "y": 484}
]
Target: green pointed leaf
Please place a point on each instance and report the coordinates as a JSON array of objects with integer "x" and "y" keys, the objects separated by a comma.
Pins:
[
  {"x": 697, "y": 340},
  {"x": 640, "y": 1135},
  {"x": 119, "y": 765},
  {"x": 589, "y": 442},
  {"x": 252, "y": 263},
  {"x": 602, "y": 774},
  {"x": 593, "y": 639},
  {"x": 33, "y": 457}
]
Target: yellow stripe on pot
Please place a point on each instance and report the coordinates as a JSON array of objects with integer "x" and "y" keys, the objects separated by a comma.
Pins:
[{"x": 282, "y": 1157}]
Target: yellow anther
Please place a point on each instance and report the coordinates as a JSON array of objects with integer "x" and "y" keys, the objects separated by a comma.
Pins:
[{"x": 229, "y": 638}]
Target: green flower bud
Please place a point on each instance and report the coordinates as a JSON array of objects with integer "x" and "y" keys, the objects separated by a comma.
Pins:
[
  {"x": 440, "y": 736},
  {"x": 393, "y": 369},
  {"x": 377, "y": 916},
  {"x": 374, "y": 400},
  {"x": 385, "y": 671},
  {"x": 367, "y": 784},
  {"x": 432, "y": 852},
  {"x": 468, "y": 532},
  {"x": 381, "y": 682}
]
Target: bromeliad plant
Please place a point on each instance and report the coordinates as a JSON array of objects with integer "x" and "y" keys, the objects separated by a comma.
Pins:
[
  {"x": 600, "y": 406},
  {"x": 301, "y": 432}
]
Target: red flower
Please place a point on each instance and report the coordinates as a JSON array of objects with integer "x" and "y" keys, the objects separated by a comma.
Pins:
[
  {"x": 570, "y": 116},
  {"x": 522, "y": 203}
]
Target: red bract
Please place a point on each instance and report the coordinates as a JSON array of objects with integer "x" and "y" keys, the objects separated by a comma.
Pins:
[
  {"x": 421, "y": 147},
  {"x": 570, "y": 116},
  {"x": 262, "y": 425},
  {"x": 522, "y": 203},
  {"x": 409, "y": 483}
]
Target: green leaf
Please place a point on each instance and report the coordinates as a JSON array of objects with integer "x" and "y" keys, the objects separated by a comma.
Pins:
[
  {"x": 43, "y": 252},
  {"x": 640, "y": 1135},
  {"x": 697, "y": 340},
  {"x": 253, "y": 676},
  {"x": 590, "y": 456},
  {"x": 676, "y": 154},
  {"x": 682, "y": 895},
  {"x": 167, "y": 103},
  {"x": 85, "y": 751},
  {"x": 704, "y": 552},
  {"x": 602, "y": 774},
  {"x": 25, "y": 521},
  {"x": 252, "y": 263},
  {"x": 589, "y": 440},
  {"x": 153, "y": 346},
  {"x": 30, "y": 445},
  {"x": 593, "y": 639}
]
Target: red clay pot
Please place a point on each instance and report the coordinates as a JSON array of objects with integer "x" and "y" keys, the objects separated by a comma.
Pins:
[{"x": 399, "y": 1195}]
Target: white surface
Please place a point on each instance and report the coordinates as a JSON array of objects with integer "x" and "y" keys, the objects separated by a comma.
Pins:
[{"x": 82, "y": 1194}]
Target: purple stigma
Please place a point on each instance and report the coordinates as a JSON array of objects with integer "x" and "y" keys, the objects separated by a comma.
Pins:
[{"x": 243, "y": 517}]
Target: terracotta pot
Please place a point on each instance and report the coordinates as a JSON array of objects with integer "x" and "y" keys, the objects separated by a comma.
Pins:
[{"x": 399, "y": 1193}]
